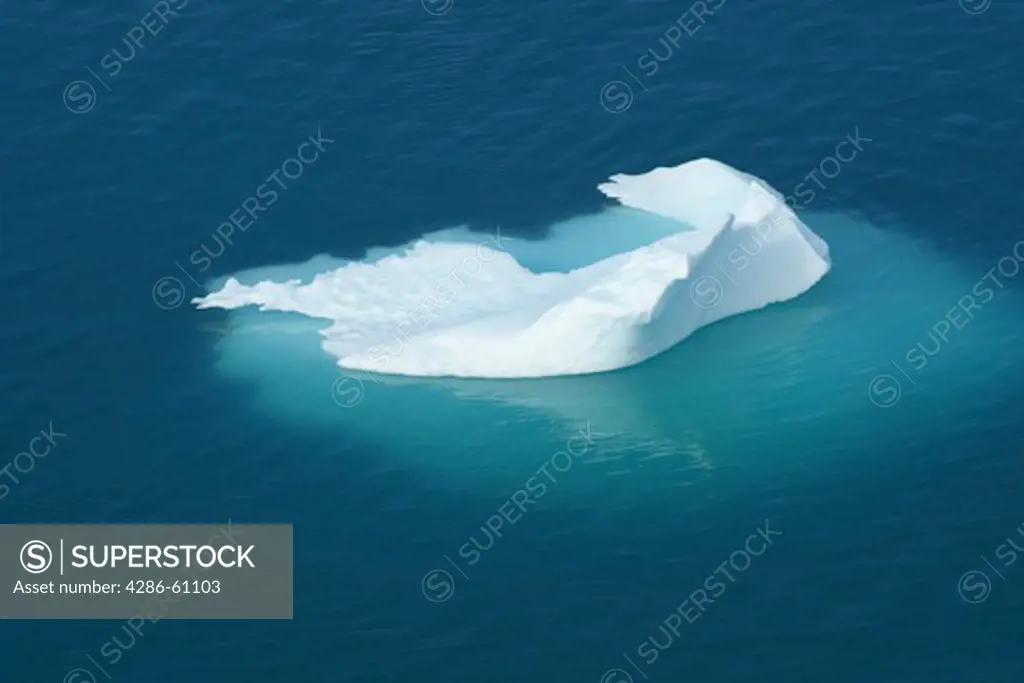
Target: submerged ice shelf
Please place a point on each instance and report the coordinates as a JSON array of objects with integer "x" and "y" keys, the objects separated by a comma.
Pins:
[{"x": 472, "y": 309}]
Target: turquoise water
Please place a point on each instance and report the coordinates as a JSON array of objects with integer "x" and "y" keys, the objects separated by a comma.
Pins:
[
  {"x": 889, "y": 489},
  {"x": 830, "y": 364}
]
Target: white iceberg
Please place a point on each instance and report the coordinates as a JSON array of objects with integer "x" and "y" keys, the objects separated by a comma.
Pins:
[{"x": 464, "y": 309}]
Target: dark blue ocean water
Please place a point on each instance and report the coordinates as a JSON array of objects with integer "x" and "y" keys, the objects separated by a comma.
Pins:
[{"x": 890, "y": 491}]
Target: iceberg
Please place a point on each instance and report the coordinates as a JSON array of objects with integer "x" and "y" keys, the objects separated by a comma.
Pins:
[{"x": 727, "y": 244}]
